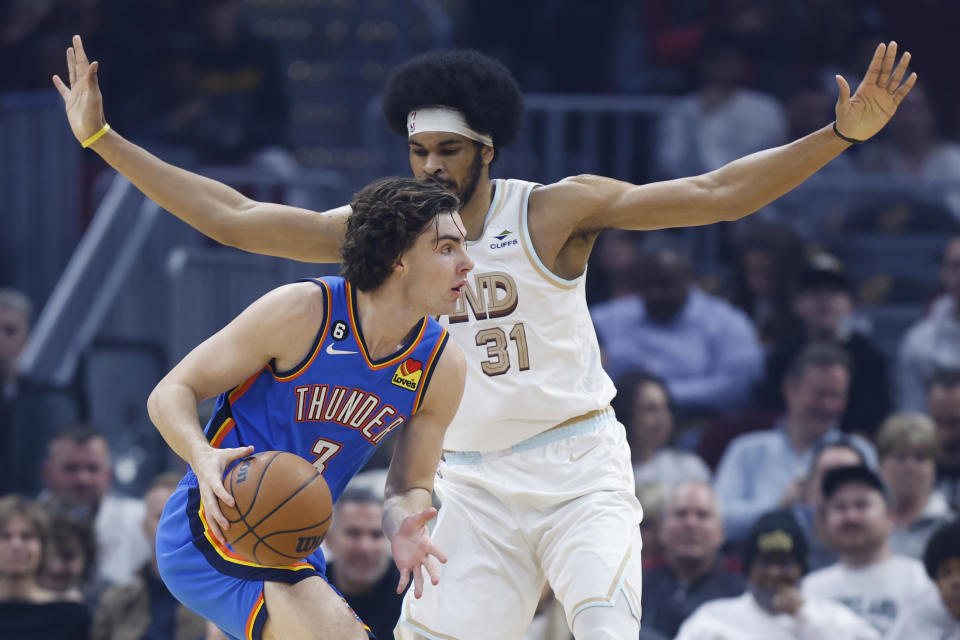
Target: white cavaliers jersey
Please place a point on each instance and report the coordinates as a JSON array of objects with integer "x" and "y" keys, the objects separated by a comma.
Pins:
[{"x": 533, "y": 360}]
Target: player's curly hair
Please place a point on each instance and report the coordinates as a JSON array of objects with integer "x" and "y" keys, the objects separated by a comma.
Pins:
[
  {"x": 387, "y": 217},
  {"x": 478, "y": 86}
]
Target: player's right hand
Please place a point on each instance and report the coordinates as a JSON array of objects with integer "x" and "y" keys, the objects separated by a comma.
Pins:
[
  {"x": 82, "y": 99},
  {"x": 209, "y": 465}
]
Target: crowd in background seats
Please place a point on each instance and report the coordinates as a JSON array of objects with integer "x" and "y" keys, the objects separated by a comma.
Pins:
[{"x": 782, "y": 435}]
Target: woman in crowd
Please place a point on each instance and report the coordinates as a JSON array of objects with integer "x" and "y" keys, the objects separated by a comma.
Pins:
[
  {"x": 907, "y": 449},
  {"x": 27, "y": 610}
]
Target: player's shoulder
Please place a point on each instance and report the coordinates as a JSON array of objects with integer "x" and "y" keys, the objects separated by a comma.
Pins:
[
  {"x": 452, "y": 360},
  {"x": 296, "y": 302},
  {"x": 582, "y": 186}
]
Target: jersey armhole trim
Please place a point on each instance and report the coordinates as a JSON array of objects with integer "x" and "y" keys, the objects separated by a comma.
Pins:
[
  {"x": 285, "y": 376},
  {"x": 430, "y": 366},
  {"x": 531, "y": 251}
]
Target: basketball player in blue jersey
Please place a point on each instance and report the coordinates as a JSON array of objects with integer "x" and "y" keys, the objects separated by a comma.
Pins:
[
  {"x": 536, "y": 483},
  {"x": 327, "y": 369}
]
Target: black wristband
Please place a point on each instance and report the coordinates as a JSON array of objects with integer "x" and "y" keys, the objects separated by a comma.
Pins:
[{"x": 845, "y": 138}]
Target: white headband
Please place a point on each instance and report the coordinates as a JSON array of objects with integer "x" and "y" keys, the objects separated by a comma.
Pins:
[{"x": 443, "y": 119}]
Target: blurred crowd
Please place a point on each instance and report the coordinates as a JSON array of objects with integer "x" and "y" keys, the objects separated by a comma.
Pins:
[{"x": 798, "y": 463}]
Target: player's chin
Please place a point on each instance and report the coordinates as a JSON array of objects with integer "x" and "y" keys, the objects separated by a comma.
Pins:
[{"x": 446, "y": 304}]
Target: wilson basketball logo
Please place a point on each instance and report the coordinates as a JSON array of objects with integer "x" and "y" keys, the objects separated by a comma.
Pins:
[
  {"x": 306, "y": 544},
  {"x": 243, "y": 470},
  {"x": 408, "y": 374}
]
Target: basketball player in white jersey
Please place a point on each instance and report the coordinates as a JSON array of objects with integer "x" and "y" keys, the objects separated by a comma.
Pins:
[{"x": 536, "y": 483}]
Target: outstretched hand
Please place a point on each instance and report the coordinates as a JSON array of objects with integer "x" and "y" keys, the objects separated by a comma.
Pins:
[
  {"x": 413, "y": 549},
  {"x": 82, "y": 99},
  {"x": 880, "y": 93}
]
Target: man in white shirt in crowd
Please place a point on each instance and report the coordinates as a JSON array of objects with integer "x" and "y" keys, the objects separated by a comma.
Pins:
[
  {"x": 874, "y": 582},
  {"x": 77, "y": 476},
  {"x": 937, "y": 615},
  {"x": 774, "y": 608}
]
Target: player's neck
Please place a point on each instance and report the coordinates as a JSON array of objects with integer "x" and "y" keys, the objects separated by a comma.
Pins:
[
  {"x": 386, "y": 320},
  {"x": 474, "y": 212}
]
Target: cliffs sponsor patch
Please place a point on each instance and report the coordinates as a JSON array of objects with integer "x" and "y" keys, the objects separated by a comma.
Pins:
[
  {"x": 503, "y": 239},
  {"x": 408, "y": 374}
]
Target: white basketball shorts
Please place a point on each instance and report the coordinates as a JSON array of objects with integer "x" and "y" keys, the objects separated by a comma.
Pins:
[{"x": 558, "y": 507}]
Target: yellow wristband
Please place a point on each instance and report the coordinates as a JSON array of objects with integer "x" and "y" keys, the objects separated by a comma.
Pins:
[{"x": 99, "y": 134}]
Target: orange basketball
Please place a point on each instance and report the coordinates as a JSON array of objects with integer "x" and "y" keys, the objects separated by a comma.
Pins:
[{"x": 282, "y": 511}]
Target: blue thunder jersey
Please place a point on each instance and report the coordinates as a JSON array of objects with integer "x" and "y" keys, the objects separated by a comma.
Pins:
[{"x": 336, "y": 406}]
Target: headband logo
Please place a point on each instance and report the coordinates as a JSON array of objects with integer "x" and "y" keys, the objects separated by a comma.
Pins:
[{"x": 412, "y": 122}]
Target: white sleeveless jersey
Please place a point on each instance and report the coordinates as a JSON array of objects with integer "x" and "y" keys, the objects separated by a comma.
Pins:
[{"x": 533, "y": 360}]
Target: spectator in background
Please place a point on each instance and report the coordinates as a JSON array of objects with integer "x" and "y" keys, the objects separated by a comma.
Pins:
[
  {"x": 222, "y": 92},
  {"x": 705, "y": 350},
  {"x": 612, "y": 268},
  {"x": 934, "y": 342},
  {"x": 763, "y": 470},
  {"x": 77, "y": 476},
  {"x": 817, "y": 208},
  {"x": 809, "y": 509},
  {"x": 907, "y": 448},
  {"x": 768, "y": 259},
  {"x": 723, "y": 120},
  {"x": 824, "y": 303},
  {"x": 361, "y": 569},
  {"x": 774, "y": 608},
  {"x": 691, "y": 571},
  {"x": 28, "y": 611},
  {"x": 937, "y": 615},
  {"x": 874, "y": 582},
  {"x": 653, "y": 498},
  {"x": 70, "y": 561},
  {"x": 145, "y": 609},
  {"x": 643, "y": 406},
  {"x": 913, "y": 149},
  {"x": 944, "y": 400},
  {"x": 30, "y": 412}
]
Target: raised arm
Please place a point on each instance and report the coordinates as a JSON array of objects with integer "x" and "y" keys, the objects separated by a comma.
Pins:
[
  {"x": 212, "y": 208},
  {"x": 408, "y": 506},
  {"x": 282, "y": 325},
  {"x": 745, "y": 185}
]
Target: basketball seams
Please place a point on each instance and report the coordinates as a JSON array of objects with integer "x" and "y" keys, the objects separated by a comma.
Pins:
[
  {"x": 262, "y": 539},
  {"x": 285, "y": 500},
  {"x": 256, "y": 492},
  {"x": 269, "y": 546},
  {"x": 252, "y": 528}
]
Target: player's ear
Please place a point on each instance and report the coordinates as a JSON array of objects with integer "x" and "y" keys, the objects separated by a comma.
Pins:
[{"x": 486, "y": 153}]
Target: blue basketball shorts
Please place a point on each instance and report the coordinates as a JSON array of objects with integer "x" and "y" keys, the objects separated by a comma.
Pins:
[{"x": 210, "y": 578}]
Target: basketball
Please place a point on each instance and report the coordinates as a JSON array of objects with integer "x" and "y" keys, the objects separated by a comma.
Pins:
[{"x": 282, "y": 511}]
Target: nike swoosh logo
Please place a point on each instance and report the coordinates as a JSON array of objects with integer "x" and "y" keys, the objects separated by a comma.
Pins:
[
  {"x": 574, "y": 458},
  {"x": 337, "y": 352}
]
